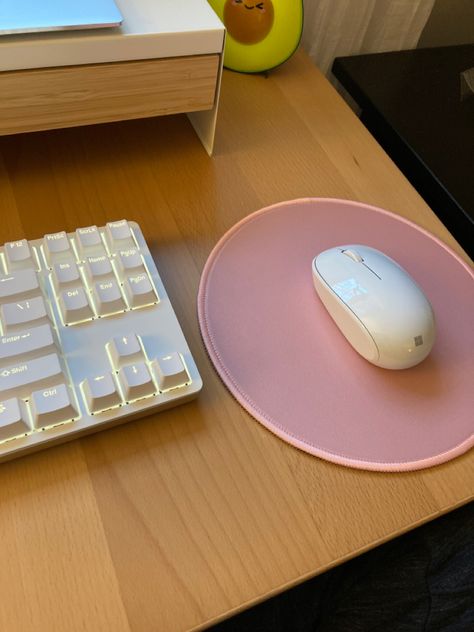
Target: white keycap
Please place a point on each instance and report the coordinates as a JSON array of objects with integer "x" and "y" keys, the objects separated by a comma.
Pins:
[
  {"x": 97, "y": 267},
  {"x": 119, "y": 235},
  {"x": 139, "y": 290},
  {"x": 88, "y": 241},
  {"x": 125, "y": 350},
  {"x": 52, "y": 405},
  {"x": 129, "y": 262},
  {"x": 100, "y": 393},
  {"x": 75, "y": 306},
  {"x": 18, "y": 255},
  {"x": 108, "y": 297},
  {"x": 65, "y": 275},
  {"x": 25, "y": 343},
  {"x": 75, "y": 356},
  {"x": 56, "y": 247},
  {"x": 170, "y": 371},
  {"x": 22, "y": 378},
  {"x": 31, "y": 311},
  {"x": 18, "y": 285},
  {"x": 13, "y": 419},
  {"x": 136, "y": 381}
]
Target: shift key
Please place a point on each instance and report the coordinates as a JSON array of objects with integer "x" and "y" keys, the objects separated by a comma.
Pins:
[{"x": 21, "y": 379}]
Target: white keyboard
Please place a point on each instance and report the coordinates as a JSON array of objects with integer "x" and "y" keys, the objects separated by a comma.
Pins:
[{"x": 88, "y": 337}]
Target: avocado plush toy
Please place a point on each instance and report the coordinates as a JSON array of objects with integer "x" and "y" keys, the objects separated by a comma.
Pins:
[{"x": 260, "y": 34}]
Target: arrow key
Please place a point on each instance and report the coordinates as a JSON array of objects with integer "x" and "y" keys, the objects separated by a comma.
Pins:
[
  {"x": 100, "y": 393},
  {"x": 125, "y": 350},
  {"x": 136, "y": 381}
]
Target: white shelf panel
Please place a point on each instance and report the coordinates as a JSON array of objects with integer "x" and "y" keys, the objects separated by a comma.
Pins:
[{"x": 151, "y": 29}]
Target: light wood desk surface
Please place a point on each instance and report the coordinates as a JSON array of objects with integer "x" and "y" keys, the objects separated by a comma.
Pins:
[{"x": 173, "y": 521}]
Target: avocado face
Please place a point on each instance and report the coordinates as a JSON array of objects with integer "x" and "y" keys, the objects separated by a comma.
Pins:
[
  {"x": 261, "y": 34},
  {"x": 248, "y": 22}
]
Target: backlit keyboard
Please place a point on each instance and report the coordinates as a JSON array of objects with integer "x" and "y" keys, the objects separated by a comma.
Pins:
[{"x": 88, "y": 337}]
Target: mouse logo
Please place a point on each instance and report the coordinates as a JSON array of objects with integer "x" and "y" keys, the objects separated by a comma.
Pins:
[{"x": 248, "y": 21}]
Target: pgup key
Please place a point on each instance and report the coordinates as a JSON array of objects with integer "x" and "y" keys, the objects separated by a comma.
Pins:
[{"x": 129, "y": 262}]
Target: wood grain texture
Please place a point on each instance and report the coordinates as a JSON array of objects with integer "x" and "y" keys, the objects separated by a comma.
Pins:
[
  {"x": 40, "y": 99},
  {"x": 179, "y": 519}
]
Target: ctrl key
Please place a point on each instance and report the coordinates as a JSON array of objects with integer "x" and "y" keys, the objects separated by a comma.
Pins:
[
  {"x": 52, "y": 406},
  {"x": 13, "y": 419}
]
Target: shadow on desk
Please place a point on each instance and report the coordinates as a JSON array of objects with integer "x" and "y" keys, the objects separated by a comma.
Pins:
[{"x": 423, "y": 580}]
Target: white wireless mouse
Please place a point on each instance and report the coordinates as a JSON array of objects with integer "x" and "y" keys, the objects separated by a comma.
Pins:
[{"x": 376, "y": 304}]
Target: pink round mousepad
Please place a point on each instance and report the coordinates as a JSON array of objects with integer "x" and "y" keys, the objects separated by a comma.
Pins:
[{"x": 282, "y": 357}]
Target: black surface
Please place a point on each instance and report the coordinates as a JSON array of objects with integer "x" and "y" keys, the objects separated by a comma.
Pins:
[
  {"x": 411, "y": 102},
  {"x": 422, "y": 581}
]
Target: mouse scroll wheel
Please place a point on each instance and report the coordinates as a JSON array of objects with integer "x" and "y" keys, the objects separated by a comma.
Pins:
[{"x": 355, "y": 256}]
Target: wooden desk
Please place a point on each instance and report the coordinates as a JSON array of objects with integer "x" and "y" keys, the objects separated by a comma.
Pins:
[{"x": 174, "y": 521}]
